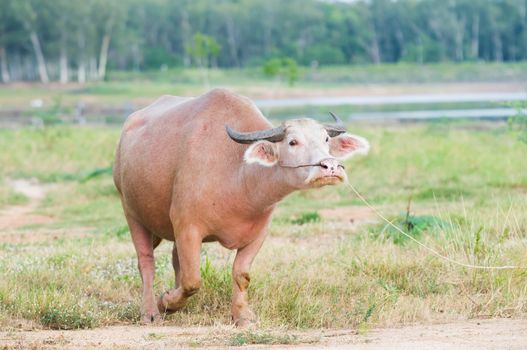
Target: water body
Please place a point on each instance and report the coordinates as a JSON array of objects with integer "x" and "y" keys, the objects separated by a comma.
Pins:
[
  {"x": 112, "y": 115},
  {"x": 495, "y": 113},
  {"x": 392, "y": 99}
]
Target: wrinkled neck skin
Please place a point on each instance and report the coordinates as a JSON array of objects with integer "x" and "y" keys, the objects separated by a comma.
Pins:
[{"x": 264, "y": 186}]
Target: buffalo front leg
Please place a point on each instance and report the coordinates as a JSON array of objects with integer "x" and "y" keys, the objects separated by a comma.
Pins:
[
  {"x": 242, "y": 315},
  {"x": 175, "y": 265},
  {"x": 144, "y": 247},
  {"x": 188, "y": 280}
]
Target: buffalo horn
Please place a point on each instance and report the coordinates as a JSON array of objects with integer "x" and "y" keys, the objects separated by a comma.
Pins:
[
  {"x": 273, "y": 135},
  {"x": 337, "y": 128}
]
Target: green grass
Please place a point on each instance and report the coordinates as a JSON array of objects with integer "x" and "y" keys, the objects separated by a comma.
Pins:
[
  {"x": 247, "y": 338},
  {"x": 468, "y": 186},
  {"x": 10, "y": 197}
]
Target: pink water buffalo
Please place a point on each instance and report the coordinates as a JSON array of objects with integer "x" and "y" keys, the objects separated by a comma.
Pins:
[{"x": 213, "y": 168}]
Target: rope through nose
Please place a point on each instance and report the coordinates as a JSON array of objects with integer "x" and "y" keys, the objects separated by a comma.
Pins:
[
  {"x": 306, "y": 165},
  {"x": 299, "y": 166}
]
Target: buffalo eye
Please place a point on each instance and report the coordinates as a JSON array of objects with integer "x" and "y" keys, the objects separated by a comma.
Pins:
[
  {"x": 327, "y": 138},
  {"x": 293, "y": 143}
]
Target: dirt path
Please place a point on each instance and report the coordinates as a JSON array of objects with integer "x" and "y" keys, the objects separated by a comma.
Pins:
[
  {"x": 474, "y": 334},
  {"x": 16, "y": 216}
]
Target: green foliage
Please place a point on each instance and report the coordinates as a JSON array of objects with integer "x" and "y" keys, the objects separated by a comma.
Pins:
[
  {"x": 96, "y": 173},
  {"x": 159, "y": 57},
  {"x": 120, "y": 232},
  {"x": 414, "y": 226},
  {"x": 149, "y": 34},
  {"x": 9, "y": 197},
  {"x": 202, "y": 48},
  {"x": 306, "y": 218},
  {"x": 285, "y": 68},
  {"x": 214, "y": 279},
  {"x": 63, "y": 317},
  {"x": 518, "y": 122}
]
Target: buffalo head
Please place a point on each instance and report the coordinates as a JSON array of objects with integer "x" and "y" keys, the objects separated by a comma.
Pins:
[{"x": 308, "y": 152}]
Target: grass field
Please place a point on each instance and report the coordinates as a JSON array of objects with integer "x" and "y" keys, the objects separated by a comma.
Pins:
[{"x": 467, "y": 188}]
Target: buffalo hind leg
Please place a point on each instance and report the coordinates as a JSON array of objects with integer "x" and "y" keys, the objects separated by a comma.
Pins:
[
  {"x": 188, "y": 280},
  {"x": 144, "y": 247},
  {"x": 242, "y": 315}
]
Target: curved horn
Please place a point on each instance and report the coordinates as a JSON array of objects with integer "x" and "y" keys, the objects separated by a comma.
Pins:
[
  {"x": 335, "y": 129},
  {"x": 273, "y": 135}
]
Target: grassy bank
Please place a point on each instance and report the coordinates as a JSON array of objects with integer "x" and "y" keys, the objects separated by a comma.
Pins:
[
  {"x": 138, "y": 88},
  {"x": 467, "y": 185}
]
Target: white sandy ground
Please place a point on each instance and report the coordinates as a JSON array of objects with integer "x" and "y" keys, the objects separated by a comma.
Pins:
[{"x": 463, "y": 335}]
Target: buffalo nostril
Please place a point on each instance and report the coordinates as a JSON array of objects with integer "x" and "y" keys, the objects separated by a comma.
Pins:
[{"x": 324, "y": 166}]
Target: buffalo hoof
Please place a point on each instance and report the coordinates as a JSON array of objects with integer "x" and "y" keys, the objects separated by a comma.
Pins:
[
  {"x": 151, "y": 317},
  {"x": 245, "y": 323},
  {"x": 170, "y": 302}
]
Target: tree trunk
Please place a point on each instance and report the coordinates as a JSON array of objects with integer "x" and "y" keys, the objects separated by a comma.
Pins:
[
  {"x": 3, "y": 66},
  {"x": 185, "y": 34},
  {"x": 103, "y": 57},
  {"x": 498, "y": 48},
  {"x": 63, "y": 62},
  {"x": 232, "y": 41},
  {"x": 203, "y": 64},
  {"x": 458, "y": 38},
  {"x": 402, "y": 47},
  {"x": 474, "y": 44},
  {"x": 92, "y": 69},
  {"x": 375, "y": 52},
  {"x": 268, "y": 29},
  {"x": 81, "y": 72},
  {"x": 420, "y": 50},
  {"x": 41, "y": 63}
]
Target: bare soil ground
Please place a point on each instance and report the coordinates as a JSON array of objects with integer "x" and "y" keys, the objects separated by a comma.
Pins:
[
  {"x": 14, "y": 218},
  {"x": 473, "y": 334},
  {"x": 20, "y": 215}
]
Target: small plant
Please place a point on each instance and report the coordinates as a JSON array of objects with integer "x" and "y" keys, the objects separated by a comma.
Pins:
[
  {"x": 154, "y": 336},
  {"x": 249, "y": 337},
  {"x": 62, "y": 317},
  {"x": 306, "y": 218},
  {"x": 202, "y": 49},
  {"x": 213, "y": 279},
  {"x": 282, "y": 68},
  {"x": 195, "y": 343},
  {"x": 518, "y": 122},
  {"x": 414, "y": 225},
  {"x": 96, "y": 173}
]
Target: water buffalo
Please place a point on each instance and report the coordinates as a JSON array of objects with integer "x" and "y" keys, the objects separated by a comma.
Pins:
[{"x": 213, "y": 168}]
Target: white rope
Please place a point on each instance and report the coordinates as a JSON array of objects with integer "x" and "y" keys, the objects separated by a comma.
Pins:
[{"x": 433, "y": 251}]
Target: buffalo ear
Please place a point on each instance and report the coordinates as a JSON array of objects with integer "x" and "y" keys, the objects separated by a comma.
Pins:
[
  {"x": 346, "y": 145},
  {"x": 262, "y": 152}
]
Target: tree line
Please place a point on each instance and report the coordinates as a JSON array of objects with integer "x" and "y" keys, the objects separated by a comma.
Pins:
[{"x": 67, "y": 40}]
